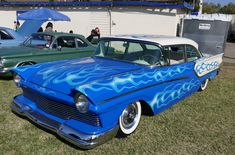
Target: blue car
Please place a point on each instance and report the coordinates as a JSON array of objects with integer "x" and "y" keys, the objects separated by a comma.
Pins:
[
  {"x": 88, "y": 101},
  {"x": 9, "y": 37}
]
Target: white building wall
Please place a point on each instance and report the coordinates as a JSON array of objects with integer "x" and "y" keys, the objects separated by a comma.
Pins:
[
  {"x": 144, "y": 22},
  {"x": 122, "y": 21},
  {"x": 7, "y": 18}
]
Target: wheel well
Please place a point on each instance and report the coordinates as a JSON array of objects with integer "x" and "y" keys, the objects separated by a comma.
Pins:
[
  {"x": 146, "y": 109},
  {"x": 29, "y": 62}
]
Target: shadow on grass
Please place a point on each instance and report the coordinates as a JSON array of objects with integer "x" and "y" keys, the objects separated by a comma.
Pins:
[
  {"x": 50, "y": 131},
  {"x": 145, "y": 111},
  {"x": 8, "y": 78}
]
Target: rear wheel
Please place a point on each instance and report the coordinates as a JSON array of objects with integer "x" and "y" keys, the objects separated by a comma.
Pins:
[
  {"x": 204, "y": 85},
  {"x": 130, "y": 118}
]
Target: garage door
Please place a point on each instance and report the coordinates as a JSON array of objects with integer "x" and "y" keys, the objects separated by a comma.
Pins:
[
  {"x": 100, "y": 19},
  {"x": 143, "y": 23}
]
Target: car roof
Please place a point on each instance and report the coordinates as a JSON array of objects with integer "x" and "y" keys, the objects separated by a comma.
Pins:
[
  {"x": 59, "y": 34},
  {"x": 159, "y": 39},
  {"x": 12, "y": 32}
]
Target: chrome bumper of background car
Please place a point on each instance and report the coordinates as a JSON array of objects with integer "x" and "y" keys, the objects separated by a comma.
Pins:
[
  {"x": 79, "y": 139},
  {"x": 4, "y": 70}
]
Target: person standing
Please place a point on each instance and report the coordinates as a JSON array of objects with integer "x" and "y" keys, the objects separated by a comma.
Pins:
[
  {"x": 91, "y": 36},
  {"x": 97, "y": 31},
  {"x": 49, "y": 27},
  {"x": 16, "y": 25}
]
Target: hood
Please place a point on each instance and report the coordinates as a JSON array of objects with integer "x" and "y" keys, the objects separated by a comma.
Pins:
[
  {"x": 65, "y": 76},
  {"x": 16, "y": 51}
]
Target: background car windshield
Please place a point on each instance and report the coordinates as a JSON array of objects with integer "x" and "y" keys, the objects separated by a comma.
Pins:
[
  {"x": 131, "y": 51},
  {"x": 39, "y": 41}
]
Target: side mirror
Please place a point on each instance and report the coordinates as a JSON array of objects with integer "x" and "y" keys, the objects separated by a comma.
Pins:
[{"x": 59, "y": 48}]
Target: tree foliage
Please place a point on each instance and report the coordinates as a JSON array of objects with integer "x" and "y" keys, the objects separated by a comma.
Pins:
[
  {"x": 210, "y": 8},
  {"x": 228, "y": 9}
]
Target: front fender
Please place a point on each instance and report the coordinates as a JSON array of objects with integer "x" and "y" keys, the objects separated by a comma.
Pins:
[{"x": 111, "y": 110}]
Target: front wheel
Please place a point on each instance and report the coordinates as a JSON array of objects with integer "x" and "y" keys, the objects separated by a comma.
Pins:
[
  {"x": 26, "y": 64},
  {"x": 203, "y": 85},
  {"x": 130, "y": 118}
]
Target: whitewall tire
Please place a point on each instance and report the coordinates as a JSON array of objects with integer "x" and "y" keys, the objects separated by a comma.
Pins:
[
  {"x": 204, "y": 85},
  {"x": 130, "y": 118}
]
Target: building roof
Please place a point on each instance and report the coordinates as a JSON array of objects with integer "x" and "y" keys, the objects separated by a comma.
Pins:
[
  {"x": 162, "y": 40},
  {"x": 183, "y": 5}
]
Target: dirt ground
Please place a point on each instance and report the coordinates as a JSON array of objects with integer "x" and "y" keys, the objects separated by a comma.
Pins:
[{"x": 229, "y": 56}]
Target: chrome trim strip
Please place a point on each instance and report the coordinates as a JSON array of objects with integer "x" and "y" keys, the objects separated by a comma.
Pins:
[
  {"x": 79, "y": 139},
  {"x": 142, "y": 88}
]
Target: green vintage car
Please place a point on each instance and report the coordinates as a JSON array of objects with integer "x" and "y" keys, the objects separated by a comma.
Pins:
[{"x": 44, "y": 47}]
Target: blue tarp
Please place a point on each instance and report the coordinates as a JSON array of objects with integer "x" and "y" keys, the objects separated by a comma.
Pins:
[
  {"x": 102, "y": 3},
  {"x": 43, "y": 14}
]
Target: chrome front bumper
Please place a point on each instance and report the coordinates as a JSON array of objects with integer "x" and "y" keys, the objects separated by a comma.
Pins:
[
  {"x": 4, "y": 70},
  {"x": 79, "y": 139}
]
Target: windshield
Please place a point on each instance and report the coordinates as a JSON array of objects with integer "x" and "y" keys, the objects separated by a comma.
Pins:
[
  {"x": 39, "y": 41},
  {"x": 138, "y": 52}
]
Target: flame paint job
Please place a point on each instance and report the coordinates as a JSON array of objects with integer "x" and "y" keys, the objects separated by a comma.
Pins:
[
  {"x": 207, "y": 65},
  {"x": 111, "y": 85}
]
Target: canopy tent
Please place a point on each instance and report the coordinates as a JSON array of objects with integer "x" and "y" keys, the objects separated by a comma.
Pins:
[
  {"x": 36, "y": 17},
  {"x": 43, "y": 14}
]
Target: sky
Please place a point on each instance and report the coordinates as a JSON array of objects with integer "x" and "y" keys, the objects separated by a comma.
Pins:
[{"x": 223, "y": 2}]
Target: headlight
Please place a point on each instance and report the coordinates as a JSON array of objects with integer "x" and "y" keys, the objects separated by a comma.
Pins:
[
  {"x": 1, "y": 63},
  {"x": 17, "y": 79},
  {"x": 82, "y": 103}
]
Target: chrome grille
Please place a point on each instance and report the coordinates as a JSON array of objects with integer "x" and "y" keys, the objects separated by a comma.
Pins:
[{"x": 60, "y": 110}]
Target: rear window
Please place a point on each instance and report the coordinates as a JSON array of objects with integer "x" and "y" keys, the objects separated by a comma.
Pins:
[{"x": 4, "y": 35}]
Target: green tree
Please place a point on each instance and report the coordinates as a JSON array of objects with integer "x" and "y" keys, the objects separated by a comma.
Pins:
[
  {"x": 210, "y": 8},
  {"x": 228, "y": 9}
]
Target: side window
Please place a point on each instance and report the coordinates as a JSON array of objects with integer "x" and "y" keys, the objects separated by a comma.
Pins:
[
  {"x": 134, "y": 47},
  {"x": 191, "y": 53},
  {"x": 68, "y": 42},
  {"x": 80, "y": 43},
  {"x": 115, "y": 49},
  {"x": 176, "y": 54},
  {"x": 4, "y": 35}
]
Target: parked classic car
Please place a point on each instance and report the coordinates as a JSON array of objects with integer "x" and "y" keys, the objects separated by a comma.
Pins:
[
  {"x": 44, "y": 47},
  {"x": 9, "y": 37},
  {"x": 88, "y": 100}
]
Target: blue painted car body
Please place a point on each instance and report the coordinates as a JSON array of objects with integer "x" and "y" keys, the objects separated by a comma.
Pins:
[
  {"x": 15, "y": 38},
  {"x": 10, "y": 37},
  {"x": 110, "y": 85}
]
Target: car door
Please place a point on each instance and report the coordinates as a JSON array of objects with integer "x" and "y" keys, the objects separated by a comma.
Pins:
[{"x": 177, "y": 79}]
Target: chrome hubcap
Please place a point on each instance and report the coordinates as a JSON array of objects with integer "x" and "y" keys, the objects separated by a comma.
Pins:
[{"x": 128, "y": 118}]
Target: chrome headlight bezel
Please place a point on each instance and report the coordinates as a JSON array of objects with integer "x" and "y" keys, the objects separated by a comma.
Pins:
[
  {"x": 17, "y": 79},
  {"x": 1, "y": 63},
  {"x": 81, "y": 103}
]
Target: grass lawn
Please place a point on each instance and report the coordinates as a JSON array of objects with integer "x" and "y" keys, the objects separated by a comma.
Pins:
[{"x": 201, "y": 124}]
